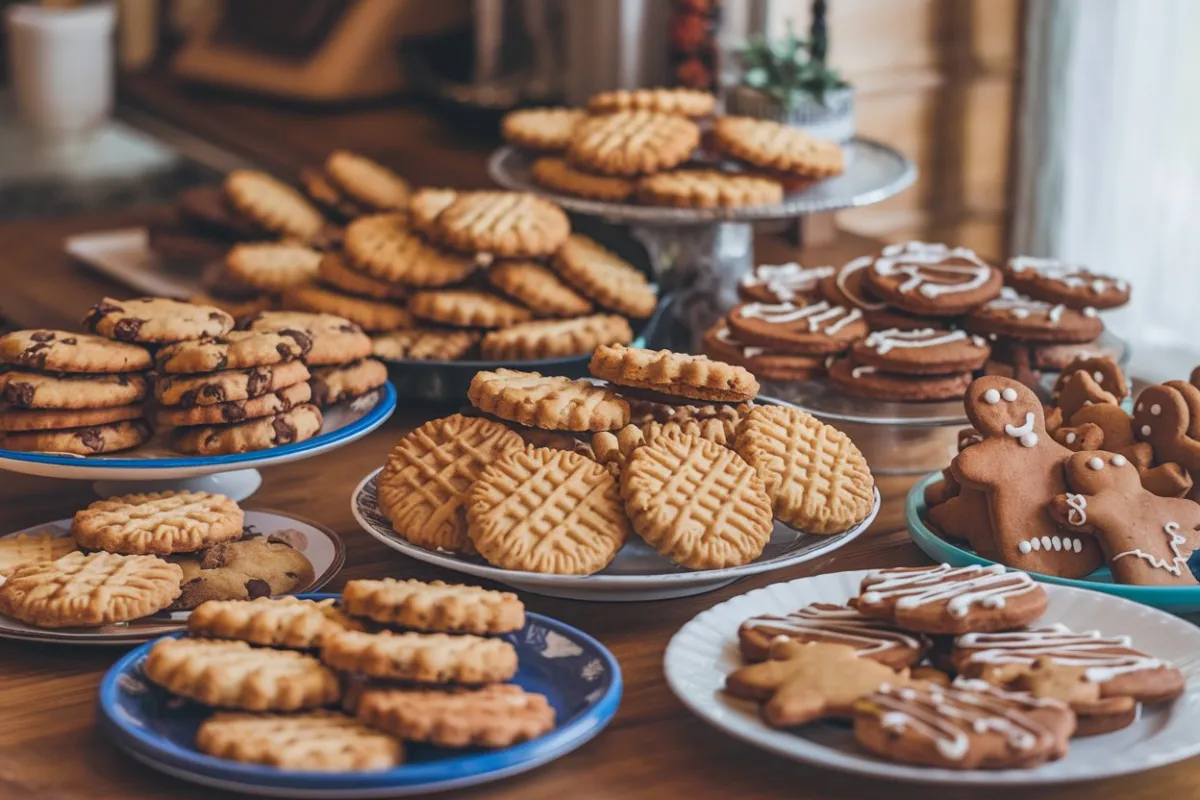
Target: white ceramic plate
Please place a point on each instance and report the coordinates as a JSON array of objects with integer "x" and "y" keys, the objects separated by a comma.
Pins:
[
  {"x": 321, "y": 546},
  {"x": 705, "y": 650},
  {"x": 637, "y": 573}
]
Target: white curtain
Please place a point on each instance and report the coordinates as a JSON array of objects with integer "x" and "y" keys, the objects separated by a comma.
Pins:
[{"x": 1109, "y": 161}]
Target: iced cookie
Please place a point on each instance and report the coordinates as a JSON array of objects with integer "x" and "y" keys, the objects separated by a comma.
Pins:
[
  {"x": 1074, "y": 286},
  {"x": 932, "y": 279}
]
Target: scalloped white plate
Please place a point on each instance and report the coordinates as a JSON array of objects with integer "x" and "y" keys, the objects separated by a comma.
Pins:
[{"x": 705, "y": 650}]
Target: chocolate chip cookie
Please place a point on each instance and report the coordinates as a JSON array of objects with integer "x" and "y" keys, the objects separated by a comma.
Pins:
[
  {"x": 63, "y": 351},
  {"x": 155, "y": 320},
  {"x": 300, "y": 423}
]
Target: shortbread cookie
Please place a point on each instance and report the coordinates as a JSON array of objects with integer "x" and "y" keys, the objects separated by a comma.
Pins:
[
  {"x": 287, "y": 622},
  {"x": 864, "y": 380},
  {"x": 426, "y": 205},
  {"x": 421, "y": 657},
  {"x": 492, "y": 716},
  {"x": 1024, "y": 319},
  {"x": 538, "y": 289},
  {"x": 545, "y": 129},
  {"x": 158, "y": 523},
  {"x": 234, "y": 350},
  {"x": 684, "y": 102},
  {"x": 423, "y": 486},
  {"x": 1073, "y": 285},
  {"x": 632, "y": 143},
  {"x": 37, "y": 390},
  {"x": 817, "y": 479},
  {"x": 697, "y": 503},
  {"x": 605, "y": 277},
  {"x": 26, "y": 548},
  {"x": 554, "y": 338},
  {"x": 273, "y": 266},
  {"x": 424, "y": 344},
  {"x": 543, "y": 510},
  {"x": 383, "y": 246},
  {"x": 335, "y": 340},
  {"x": 334, "y": 272},
  {"x": 155, "y": 320},
  {"x": 823, "y": 622},
  {"x": 370, "y": 315},
  {"x": 434, "y": 606},
  {"x": 505, "y": 224},
  {"x": 89, "y": 589},
  {"x": 817, "y": 329},
  {"x": 52, "y": 420},
  {"x": 273, "y": 205},
  {"x": 925, "y": 351},
  {"x": 775, "y": 146},
  {"x": 554, "y": 403},
  {"x": 316, "y": 741},
  {"x": 63, "y": 351},
  {"x": 336, "y": 383},
  {"x": 224, "y": 387},
  {"x": 333, "y": 201},
  {"x": 367, "y": 181},
  {"x": 557, "y": 175},
  {"x": 94, "y": 440},
  {"x": 671, "y": 373},
  {"x": 932, "y": 279},
  {"x": 783, "y": 283},
  {"x": 266, "y": 405},
  {"x": 708, "y": 188},
  {"x": 297, "y": 425},
  {"x": 236, "y": 675},
  {"x": 245, "y": 569},
  {"x": 466, "y": 308}
]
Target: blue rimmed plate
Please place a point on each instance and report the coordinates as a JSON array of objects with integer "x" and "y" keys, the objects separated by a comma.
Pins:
[
  {"x": 1176, "y": 599},
  {"x": 577, "y": 674}
]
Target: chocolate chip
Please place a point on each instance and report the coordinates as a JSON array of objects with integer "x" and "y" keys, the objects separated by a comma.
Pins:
[
  {"x": 42, "y": 336},
  {"x": 214, "y": 391},
  {"x": 217, "y": 316},
  {"x": 223, "y": 361},
  {"x": 321, "y": 393},
  {"x": 233, "y": 412},
  {"x": 127, "y": 329},
  {"x": 285, "y": 432},
  {"x": 36, "y": 355},
  {"x": 71, "y": 340},
  {"x": 99, "y": 312},
  {"x": 188, "y": 398},
  {"x": 289, "y": 537},
  {"x": 292, "y": 575},
  {"x": 256, "y": 587},
  {"x": 302, "y": 339},
  {"x": 216, "y": 557},
  {"x": 92, "y": 439},
  {"x": 19, "y": 394},
  {"x": 349, "y": 327},
  {"x": 123, "y": 379},
  {"x": 285, "y": 351},
  {"x": 258, "y": 381}
]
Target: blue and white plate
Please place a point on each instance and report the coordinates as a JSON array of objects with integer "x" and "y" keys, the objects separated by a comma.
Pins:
[
  {"x": 577, "y": 674},
  {"x": 1176, "y": 599}
]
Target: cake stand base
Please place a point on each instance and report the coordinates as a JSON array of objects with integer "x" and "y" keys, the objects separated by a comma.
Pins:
[{"x": 236, "y": 485}]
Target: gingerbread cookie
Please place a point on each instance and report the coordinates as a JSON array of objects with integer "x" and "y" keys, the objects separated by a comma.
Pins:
[
  {"x": 1103, "y": 426},
  {"x": 847, "y": 287},
  {"x": 1103, "y": 369},
  {"x": 783, "y": 283},
  {"x": 822, "y": 622},
  {"x": 1074, "y": 286},
  {"x": 557, "y": 175},
  {"x": 1071, "y": 685},
  {"x": 966, "y": 517},
  {"x": 926, "y": 351},
  {"x": 932, "y": 279},
  {"x": 1024, "y": 319},
  {"x": 1168, "y": 417},
  {"x": 1079, "y": 391},
  {"x": 631, "y": 143},
  {"x": 864, "y": 380},
  {"x": 766, "y": 363},
  {"x": 819, "y": 329}
]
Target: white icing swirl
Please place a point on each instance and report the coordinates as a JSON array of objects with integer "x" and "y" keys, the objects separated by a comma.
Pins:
[{"x": 925, "y": 267}]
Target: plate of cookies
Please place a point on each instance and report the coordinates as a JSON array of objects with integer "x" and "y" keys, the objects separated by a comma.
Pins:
[
  {"x": 951, "y": 675},
  {"x": 562, "y": 487},
  {"x": 329, "y": 697},
  {"x": 131, "y": 568}
]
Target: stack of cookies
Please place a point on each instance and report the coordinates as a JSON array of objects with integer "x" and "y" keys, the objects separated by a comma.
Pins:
[
  {"x": 702, "y": 483},
  {"x": 350, "y": 185},
  {"x": 275, "y": 664},
  {"x": 1020, "y": 693},
  {"x": 636, "y": 145}
]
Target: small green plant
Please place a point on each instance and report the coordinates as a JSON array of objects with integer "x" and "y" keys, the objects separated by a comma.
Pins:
[{"x": 789, "y": 69}]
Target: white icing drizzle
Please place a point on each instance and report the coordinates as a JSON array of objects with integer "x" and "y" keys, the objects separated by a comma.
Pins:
[
  {"x": 862, "y": 262},
  {"x": 725, "y": 337},
  {"x": 1024, "y": 433},
  {"x": 884, "y": 341},
  {"x": 1176, "y": 565},
  {"x": 962, "y": 587},
  {"x": 1019, "y": 306},
  {"x": 838, "y": 624},
  {"x": 923, "y": 264},
  {"x": 785, "y": 281},
  {"x": 1078, "y": 514},
  {"x": 834, "y": 318},
  {"x": 859, "y": 371},
  {"x": 1073, "y": 276},
  {"x": 1058, "y": 644}
]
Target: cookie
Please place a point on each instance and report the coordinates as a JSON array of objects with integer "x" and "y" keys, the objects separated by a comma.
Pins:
[
  {"x": 1074, "y": 286},
  {"x": 819, "y": 329},
  {"x": 932, "y": 279},
  {"x": 822, "y": 622},
  {"x": 26, "y": 548},
  {"x": 631, "y": 143},
  {"x": 554, "y": 403},
  {"x": 421, "y": 657},
  {"x": 370, "y": 315},
  {"x": 207, "y": 209},
  {"x": 614, "y": 449},
  {"x": 554, "y": 338},
  {"x": 557, "y": 175},
  {"x": 605, "y": 278},
  {"x": 945, "y": 599},
  {"x": 926, "y": 351},
  {"x": 236, "y": 308},
  {"x": 333, "y": 271},
  {"x": 545, "y": 129},
  {"x": 435, "y": 606},
  {"x": 783, "y": 283},
  {"x": 697, "y": 503},
  {"x": 426, "y": 205},
  {"x": 155, "y": 320},
  {"x": 335, "y": 340},
  {"x": 1168, "y": 417},
  {"x": 676, "y": 374},
  {"x": 466, "y": 308},
  {"x": 366, "y": 181},
  {"x": 88, "y": 589},
  {"x": 680, "y": 101},
  {"x": 336, "y": 204},
  {"x": 1070, "y": 685},
  {"x": 966, "y": 517},
  {"x": 544, "y": 510},
  {"x": 236, "y": 675},
  {"x": 423, "y": 486},
  {"x": 847, "y": 287},
  {"x": 266, "y": 405},
  {"x": 158, "y": 523},
  {"x": 234, "y": 350},
  {"x": 288, "y": 427},
  {"x": 817, "y": 480},
  {"x": 52, "y": 420},
  {"x": 34, "y": 390},
  {"x": 385, "y": 248},
  {"x": 769, "y": 364},
  {"x": 1057, "y": 357},
  {"x": 246, "y": 569},
  {"x": 505, "y": 224},
  {"x": 316, "y": 741},
  {"x": 228, "y": 386},
  {"x": 538, "y": 289},
  {"x": 273, "y": 205},
  {"x": 708, "y": 188},
  {"x": 491, "y": 716},
  {"x": 777, "y": 147},
  {"x": 62, "y": 351},
  {"x": 424, "y": 344},
  {"x": 1024, "y": 319},
  {"x": 862, "y": 380},
  {"x": 273, "y": 266},
  {"x": 336, "y": 383},
  {"x": 1104, "y": 371},
  {"x": 286, "y": 622},
  {"x": 94, "y": 440},
  {"x": 1079, "y": 390}
]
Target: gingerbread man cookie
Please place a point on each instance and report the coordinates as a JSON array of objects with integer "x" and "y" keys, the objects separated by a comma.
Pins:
[
  {"x": 1103, "y": 369},
  {"x": 1071, "y": 685},
  {"x": 1081, "y": 390},
  {"x": 966, "y": 517},
  {"x": 1019, "y": 466},
  {"x": 1146, "y": 539},
  {"x": 1108, "y": 427},
  {"x": 1168, "y": 417}
]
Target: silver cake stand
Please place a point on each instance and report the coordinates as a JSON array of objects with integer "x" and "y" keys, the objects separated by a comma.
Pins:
[{"x": 701, "y": 254}]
